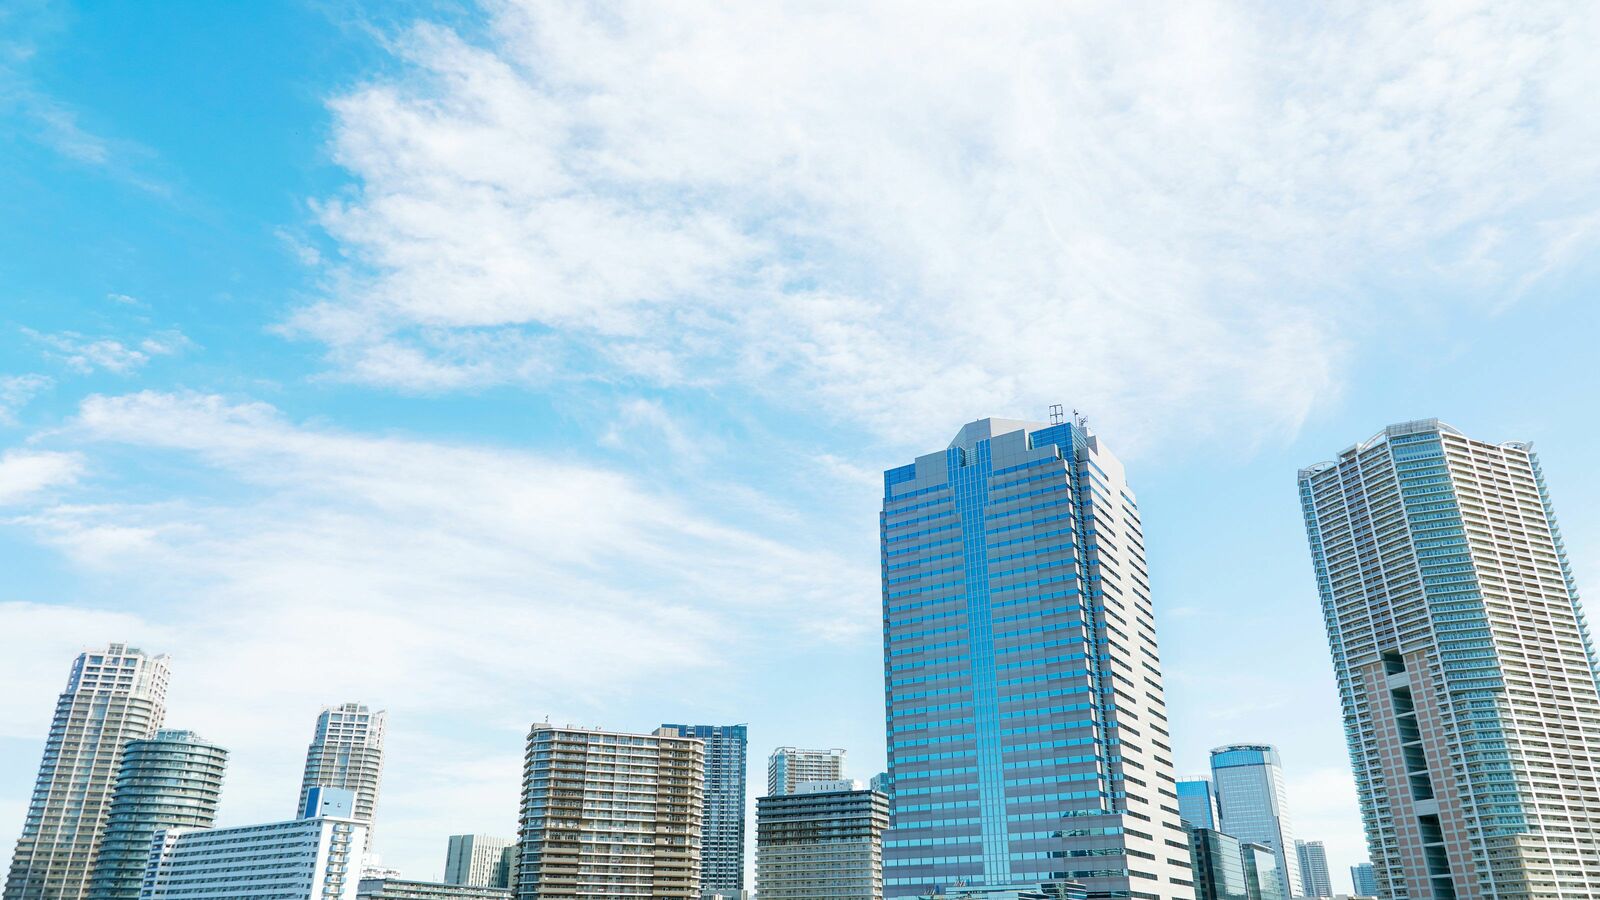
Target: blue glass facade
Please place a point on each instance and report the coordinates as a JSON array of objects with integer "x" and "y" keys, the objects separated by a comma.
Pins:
[
  {"x": 1248, "y": 780},
  {"x": 722, "y": 834},
  {"x": 1024, "y": 713},
  {"x": 1197, "y": 803}
]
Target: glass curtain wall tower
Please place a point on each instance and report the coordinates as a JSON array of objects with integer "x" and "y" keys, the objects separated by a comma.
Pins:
[
  {"x": 722, "y": 836},
  {"x": 173, "y": 780},
  {"x": 1464, "y": 665},
  {"x": 1025, "y": 717},
  {"x": 1251, "y": 806},
  {"x": 113, "y": 696}
]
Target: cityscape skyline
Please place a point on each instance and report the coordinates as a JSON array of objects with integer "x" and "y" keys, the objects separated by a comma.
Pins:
[
  {"x": 1219, "y": 796},
  {"x": 429, "y": 354}
]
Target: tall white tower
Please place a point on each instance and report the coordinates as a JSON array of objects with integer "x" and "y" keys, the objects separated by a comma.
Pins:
[
  {"x": 113, "y": 696},
  {"x": 1464, "y": 665},
  {"x": 347, "y": 752}
]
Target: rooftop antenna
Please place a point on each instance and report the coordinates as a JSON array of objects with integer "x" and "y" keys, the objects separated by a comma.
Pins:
[
  {"x": 1056, "y": 415},
  {"x": 1079, "y": 419}
]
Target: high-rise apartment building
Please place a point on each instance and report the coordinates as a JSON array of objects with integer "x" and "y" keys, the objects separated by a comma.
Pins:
[
  {"x": 317, "y": 858},
  {"x": 820, "y": 841},
  {"x": 1363, "y": 881},
  {"x": 347, "y": 752},
  {"x": 1251, "y": 804},
  {"x": 1197, "y": 803},
  {"x": 113, "y": 696},
  {"x": 1026, "y": 723},
  {"x": 1314, "y": 878},
  {"x": 722, "y": 838},
  {"x": 1464, "y": 665},
  {"x": 479, "y": 860},
  {"x": 606, "y": 814},
  {"x": 788, "y": 766},
  {"x": 173, "y": 780}
]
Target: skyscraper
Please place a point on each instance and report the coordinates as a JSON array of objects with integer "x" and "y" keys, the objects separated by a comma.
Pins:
[
  {"x": 347, "y": 752},
  {"x": 173, "y": 780},
  {"x": 1025, "y": 720},
  {"x": 1363, "y": 881},
  {"x": 824, "y": 839},
  {"x": 1314, "y": 878},
  {"x": 479, "y": 860},
  {"x": 1464, "y": 665},
  {"x": 113, "y": 696},
  {"x": 613, "y": 815},
  {"x": 788, "y": 766},
  {"x": 1197, "y": 803},
  {"x": 722, "y": 838},
  {"x": 1251, "y": 806}
]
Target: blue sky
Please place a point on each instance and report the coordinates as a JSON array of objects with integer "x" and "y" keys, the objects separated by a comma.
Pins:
[{"x": 489, "y": 363}]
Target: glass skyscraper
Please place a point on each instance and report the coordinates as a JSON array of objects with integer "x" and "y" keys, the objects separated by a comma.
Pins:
[
  {"x": 722, "y": 835},
  {"x": 1363, "y": 881},
  {"x": 113, "y": 696},
  {"x": 1026, "y": 723},
  {"x": 1464, "y": 665},
  {"x": 1197, "y": 803},
  {"x": 173, "y": 780},
  {"x": 1250, "y": 802}
]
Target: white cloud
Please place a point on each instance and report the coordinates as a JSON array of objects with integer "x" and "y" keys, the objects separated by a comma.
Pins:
[
  {"x": 86, "y": 355},
  {"x": 892, "y": 211},
  {"x": 16, "y": 391},
  {"x": 24, "y": 474},
  {"x": 469, "y": 590}
]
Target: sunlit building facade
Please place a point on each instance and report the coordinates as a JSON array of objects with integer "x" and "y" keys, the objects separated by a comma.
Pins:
[
  {"x": 113, "y": 696},
  {"x": 1028, "y": 745},
  {"x": 1253, "y": 807},
  {"x": 1464, "y": 665}
]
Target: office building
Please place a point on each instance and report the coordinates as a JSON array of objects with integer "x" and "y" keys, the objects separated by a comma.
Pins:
[
  {"x": 346, "y": 752},
  {"x": 173, "y": 780},
  {"x": 301, "y": 859},
  {"x": 1262, "y": 872},
  {"x": 788, "y": 766},
  {"x": 479, "y": 860},
  {"x": 1251, "y": 805},
  {"x": 113, "y": 696},
  {"x": 722, "y": 837},
  {"x": 1314, "y": 878},
  {"x": 1363, "y": 882},
  {"x": 1218, "y": 863},
  {"x": 824, "y": 839},
  {"x": 606, "y": 814},
  {"x": 400, "y": 889},
  {"x": 1026, "y": 724},
  {"x": 1463, "y": 662},
  {"x": 1197, "y": 803}
]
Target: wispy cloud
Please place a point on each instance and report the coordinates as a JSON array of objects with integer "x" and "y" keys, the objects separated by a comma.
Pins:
[
  {"x": 24, "y": 474},
  {"x": 1157, "y": 215},
  {"x": 16, "y": 391},
  {"x": 86, "y": 354}
]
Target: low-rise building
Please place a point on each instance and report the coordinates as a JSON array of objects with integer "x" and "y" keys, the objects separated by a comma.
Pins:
[
  {"x": 401, "y": 889},
  {"x": 301, "y": 859}
]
